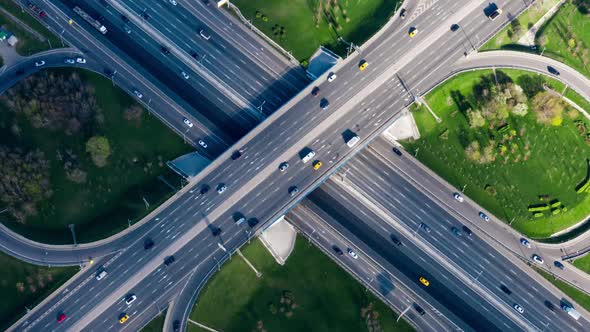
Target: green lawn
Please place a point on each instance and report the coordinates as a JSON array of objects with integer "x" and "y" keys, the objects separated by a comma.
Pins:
[
  {"x": 583, "y": 264},
  {"x": 27, "y": 44},
  {"x": 567, "y": 39},
  {"x": 24, "y": 285},
  {"x": 324, "y": 297},
  {"x": 156, "y": 325},
  {"x": 508, "y": 36},
  {"x": 555, "y": 164},
  {"x": 304, "y": 30},
  {"x": 111, "y": 195},
  {"x": 578, "y": 296}
]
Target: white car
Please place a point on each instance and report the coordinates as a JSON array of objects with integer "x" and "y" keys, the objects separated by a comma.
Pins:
[
  {"x": 221, "y": 188},
  {"x": 352, "y": 253},
  {"x": 130, "y": 299},
  {"x": 331, "y": 77},
  {"x": 100, "y": 275},
  {"x": 137, "y": 94},
  {"x": 187, "y": 122},
  {"x": 525, "y": 242},
  {"x": 80, "y": 60},
  {"x": 538, "y": 259},
  {"x": 70, "y": 61},
  {"x": 39, "y": 63},
  {"x": 458, "y": 197},
  {"x": 173, "y": 2},
  {"x": 518, "y": 308},
  {"x": 185, "y": 75},
  {"x": 484, "y": 216},
  {"x": 203, "y": 144}
]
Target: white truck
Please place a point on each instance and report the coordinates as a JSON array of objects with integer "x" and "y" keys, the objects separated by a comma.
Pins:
[
  {"x": 96, "y": 24},
  {"x": 570, "y": 311}
]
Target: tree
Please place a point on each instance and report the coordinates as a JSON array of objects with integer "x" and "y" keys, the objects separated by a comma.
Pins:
[
  {"x": 531, "y": 85},
  {"x": 475, "y": 118},
  {"x": 549, "y": 109},
  {"x": 99, "y": 149},
  {"x": 24, "y": 180}
]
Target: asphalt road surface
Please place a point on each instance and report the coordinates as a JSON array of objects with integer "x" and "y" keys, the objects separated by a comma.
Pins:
[{"x": 371, "y": 175}]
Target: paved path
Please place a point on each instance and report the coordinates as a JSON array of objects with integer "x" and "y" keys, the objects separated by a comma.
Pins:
[{"x": 529, "y": 37}]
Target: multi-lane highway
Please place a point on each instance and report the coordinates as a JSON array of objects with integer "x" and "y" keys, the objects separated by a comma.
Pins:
[
  {"x": 362, "y": 102},
  {"x": 372, "y": 183}
]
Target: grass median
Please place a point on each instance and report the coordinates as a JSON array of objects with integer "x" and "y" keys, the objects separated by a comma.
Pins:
[
  {"x": 566, "y": 38},
  {"x": 309, "y": 293},
  {"x": 523, "y": 168},
  {"x": 510, "y": 34},
  {"x": 301, "y": 26}
]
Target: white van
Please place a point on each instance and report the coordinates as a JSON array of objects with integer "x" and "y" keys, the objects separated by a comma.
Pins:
[
  {"x": 352, "y": 142},
  {"x": 308, "y": 157},
  {"x": 101, "y": 275}
]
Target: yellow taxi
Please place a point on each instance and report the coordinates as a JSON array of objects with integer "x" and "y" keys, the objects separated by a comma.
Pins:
[
  {"x": 424, "y": 281},
  {"x": 317, "y": 164},
  {"x": 363, "y": 65},
  {"x": 123, "y": 318},
  {"x": 413, "y": 32}
]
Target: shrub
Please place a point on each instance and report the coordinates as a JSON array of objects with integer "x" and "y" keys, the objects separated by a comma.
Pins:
[
  {"x": 490, "y": 189},
  {"x": 258, "y": 14},
  {"x": 555, "y": 211},
  {"x": 555, "y": 204},
  {"x": 538, "y": 207},
  {"x": 538, "y": 214}
]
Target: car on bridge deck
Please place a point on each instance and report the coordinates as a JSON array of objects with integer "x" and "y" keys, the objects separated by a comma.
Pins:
[
  {"x": 424, "y": 281},
  {"x": 61, "y": 317},
  {"x": 413, "y": 32},
  {"x": 363, "y": 65},
  {"x": 331, "y": 77},
  {"x": 317, "y": 164},
  {"x": 315, "y": 91},
  {"x": 123, "y": 318}
]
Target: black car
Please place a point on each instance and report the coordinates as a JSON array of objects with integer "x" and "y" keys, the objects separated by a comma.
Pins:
[
  {"x": 552, "y": 70},
  {"x": 124, "y": 18},
  {"x": 549, "y": 305},
  {"x": 395, "y": 240},
  {"x": 204, "y": 189},
  {"x": 425, "y": 227},
  {"x": 559, "y": 265},
  {"x": 176, "y": 326},
  {"x": 19, "y": 72},
  {"x": 236, "y": 155},
  {"x": 148, "y": 243},
  {"x": 397, "y": 151},
  {"x": 315, "y": 91},
  {"x": 216, "y": 231},
  {"x": 253, "y": 222},
  {"x": 169, "y": 260},
  {"x": 419, "y": 309},
  {"x": 145, "y": 15},
  {"x": 193, "y": 54},
  {"x": 338, "y": 251},
  {"x": 324, "y": 103},
  {"x": 467, "y": 230},
  {"x": 454, "y": 27},
  {"x": 105, "y": 3},
  {"x": 165, "y": 50},
  {"x": 505, "y": 289}
]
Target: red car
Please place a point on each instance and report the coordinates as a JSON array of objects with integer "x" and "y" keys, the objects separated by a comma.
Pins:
[{"x": 61, "y": 317}]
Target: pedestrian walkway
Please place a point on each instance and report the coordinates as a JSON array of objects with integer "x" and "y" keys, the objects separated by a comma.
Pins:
[
  {"x": 529, "y": 37},
  {"x": 279, "y": 239}
]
